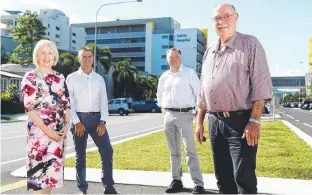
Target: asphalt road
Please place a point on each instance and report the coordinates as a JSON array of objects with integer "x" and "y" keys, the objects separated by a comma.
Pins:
[
  {"x": 13, "y": 138},
  {"x": 298, "y": 117}
]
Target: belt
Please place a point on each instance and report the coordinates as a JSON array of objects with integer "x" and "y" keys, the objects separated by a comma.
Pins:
[
  {"x": 221, "y": 114},
  {"x": 180, "y": 109},
  {"x": 88, "y": 112}
]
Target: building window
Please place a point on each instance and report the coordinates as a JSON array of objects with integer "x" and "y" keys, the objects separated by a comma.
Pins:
[
  {"x": 165, "y": 37},
  {"x": 48, "y": 33},
  {"x": 164, "y": 46},
  {"x": 57, "y": 28},
  {"x": 48, "y": 25},
  {"x": 57, "y": 43},
  {"x": 163, "y": 56},
  {"x": 57, "y": 36},
  {"x": 17, "y": 83},
  {"x": 73, "y": 41},
  {"x": 164, "y": 67},
  {"x": 170, "y": 37},
  {"x": 74, "y": 48},
  {"x": 74, "y": 34},
  {"x": 170, "y": 46},
  {"x": 4, "y": 84},
  {"x": 141, "y": 68}
]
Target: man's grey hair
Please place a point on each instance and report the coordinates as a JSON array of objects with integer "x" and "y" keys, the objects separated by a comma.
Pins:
[
  {"x": 226, "y": 4},
  {"x": 174, "y": 49}
]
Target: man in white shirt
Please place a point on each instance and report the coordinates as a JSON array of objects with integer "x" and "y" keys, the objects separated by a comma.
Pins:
[
  {"x": 176, "y": 95},
  {"x": 87, "y": 92}
]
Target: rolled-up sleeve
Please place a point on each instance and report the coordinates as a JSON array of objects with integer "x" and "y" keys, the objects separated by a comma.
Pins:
[{"x": 260, "y": 77}]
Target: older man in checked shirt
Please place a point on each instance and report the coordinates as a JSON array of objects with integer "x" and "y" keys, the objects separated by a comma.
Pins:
[{"x": 235, "y": 84}]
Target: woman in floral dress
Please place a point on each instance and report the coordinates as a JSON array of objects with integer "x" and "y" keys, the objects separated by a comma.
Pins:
[{"x": 47, "y": 105}]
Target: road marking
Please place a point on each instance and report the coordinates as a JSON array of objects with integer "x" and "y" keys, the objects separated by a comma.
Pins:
[
  {"x": 12, "y": 132},
  {"x": 307, "y": 125},
  {"x": 13, "y": 186},
  {"x": 107, "y": 124},
  {"x": 297, "y": 120},
  {"x": 289, "y": 116},
  {"x": 11, "y": 161},
  {"x": 91, "y": 142},
  {"x": 13, "y": 137}
]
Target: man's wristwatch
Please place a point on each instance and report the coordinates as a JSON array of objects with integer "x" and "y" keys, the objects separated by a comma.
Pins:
[
  {"x": 104, "y": 122},
  {"x": 254, "y": 121}
]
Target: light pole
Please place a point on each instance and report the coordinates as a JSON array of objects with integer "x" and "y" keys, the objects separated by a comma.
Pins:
[{"x": 95, "y": 37}]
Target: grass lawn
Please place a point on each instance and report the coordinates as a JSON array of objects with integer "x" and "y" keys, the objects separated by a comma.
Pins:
[
  {"x": 3, "y": 118},
  {"x": 280, "y": 154}
]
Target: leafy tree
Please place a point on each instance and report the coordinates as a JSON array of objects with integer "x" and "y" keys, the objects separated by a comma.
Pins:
[
  {"x": 4, "y": 57},
  {"x": 28, "y": 32}
]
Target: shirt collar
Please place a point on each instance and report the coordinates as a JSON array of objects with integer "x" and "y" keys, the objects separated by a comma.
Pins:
[
  {"x": 179, "y": 70},
  {"x": 230, "y": 44},
  {"x": 85, "y": 74}
]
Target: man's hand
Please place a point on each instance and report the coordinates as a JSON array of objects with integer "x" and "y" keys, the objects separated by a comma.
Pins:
[
  {"x": 163, "y": 110},
  {"x": 252, "y": 133},
  {"x": 100, "y": 129},
  {"x": 199, "y": 133},
  {"x": 79, "y": 129},
  {"x": 192, "y": 116}
]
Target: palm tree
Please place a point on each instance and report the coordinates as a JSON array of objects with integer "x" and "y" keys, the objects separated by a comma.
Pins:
[
  {"x": 67, "y": 63},
  {"x": 151, "y": 87},
  {"x": 104, "y": 56},
  {"x": 126, "y": 74}
]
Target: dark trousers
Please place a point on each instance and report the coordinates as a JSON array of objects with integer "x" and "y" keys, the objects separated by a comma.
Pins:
[
  {"x": 234, "y": 160},
  {"x": 90, "y": 121}
]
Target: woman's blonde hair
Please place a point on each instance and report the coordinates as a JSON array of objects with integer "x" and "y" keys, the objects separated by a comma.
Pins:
[{"x": 47, "y": 43}]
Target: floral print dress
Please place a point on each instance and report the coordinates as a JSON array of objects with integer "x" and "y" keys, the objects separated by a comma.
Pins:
[{"x": 46, "y": 94}]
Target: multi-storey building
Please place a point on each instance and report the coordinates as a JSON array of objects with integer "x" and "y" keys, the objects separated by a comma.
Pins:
[
  {"x": 146, "y": 41},
  {"x": 58, "y": 28}
]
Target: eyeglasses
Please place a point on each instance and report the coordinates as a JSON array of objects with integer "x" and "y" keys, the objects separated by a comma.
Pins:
[{"x": 224, "y": 18}]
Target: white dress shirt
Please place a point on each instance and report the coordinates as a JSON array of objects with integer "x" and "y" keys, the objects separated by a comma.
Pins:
[
  {"x": 179, "y": 89},
  {"x": 87, "y": 94}
]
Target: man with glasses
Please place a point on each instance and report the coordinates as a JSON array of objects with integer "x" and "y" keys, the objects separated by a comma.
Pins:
[
  {"x": 176, "y": 95},
  {"x": 235, "y": 84}
]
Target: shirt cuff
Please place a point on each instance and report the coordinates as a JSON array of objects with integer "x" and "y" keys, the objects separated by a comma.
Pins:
[{"x": 75, "y": 120}]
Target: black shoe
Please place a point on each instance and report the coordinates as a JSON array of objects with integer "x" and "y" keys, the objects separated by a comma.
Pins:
[
  {"x": 198, "y": 190},
  {"x": 110, "y": 190},
  {"x": 83, "y": 192},
  {"x": 175, "y": 186}
]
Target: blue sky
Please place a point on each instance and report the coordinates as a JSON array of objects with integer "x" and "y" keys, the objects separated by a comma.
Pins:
[{"x": 282, "y": 26}]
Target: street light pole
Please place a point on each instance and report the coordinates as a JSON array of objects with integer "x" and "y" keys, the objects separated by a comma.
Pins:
[{"x": 95, "y": 36}]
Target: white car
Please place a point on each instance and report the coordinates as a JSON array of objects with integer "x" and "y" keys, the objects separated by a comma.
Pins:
[{"x": 122, "y": 106}]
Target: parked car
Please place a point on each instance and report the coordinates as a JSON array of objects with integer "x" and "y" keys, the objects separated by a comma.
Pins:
[
  {"x": 266, "y": 109},
  {"x": 287, "y": 104},
  {"x": 306, "y": 105},
  {"x": 122, "y": 106},
  {"x": 146, "y": 106},
  {"x": 294, "y": 105}
]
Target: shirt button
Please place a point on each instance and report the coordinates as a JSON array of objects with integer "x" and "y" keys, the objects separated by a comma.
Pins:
[
  {"x": 212, "y": 77},
  {"x": 211, "y": 90},
  {"x": 215, "y": 102}
]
